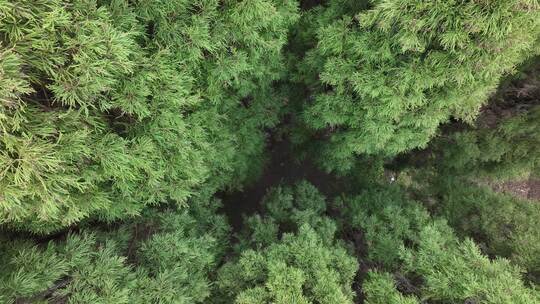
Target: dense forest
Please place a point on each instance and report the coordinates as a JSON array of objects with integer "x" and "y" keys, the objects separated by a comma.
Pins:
[{"x": 270, "y": 151}]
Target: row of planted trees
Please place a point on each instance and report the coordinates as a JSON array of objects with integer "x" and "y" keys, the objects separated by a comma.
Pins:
[
  {"x": 295, "y": 252},
  {"x": 120, "y": 121}
]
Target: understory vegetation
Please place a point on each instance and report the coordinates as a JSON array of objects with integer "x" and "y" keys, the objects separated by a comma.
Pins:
[{"x": 270, "y": 151}]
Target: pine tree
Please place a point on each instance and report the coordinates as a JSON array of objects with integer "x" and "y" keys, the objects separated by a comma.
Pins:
[
  {"x": 459, "y": 170},
  {"x": 456, "y": 271},
  {"x": 121, "y": 121},
  {"x": 505, "y": 225},
  {"x": 110, "y": 106},
  {"x": 419, "y": 259},
  {"x": 290, "y": 256},
  {"x": 387, "y": 218},
  {"x": 165, "y": 257},
  {"x": 384, "y": 78},
  {"x": 380, "y": 288},
  {"x": 300, "y": 268},
  {"x": 504, "y": 143}
]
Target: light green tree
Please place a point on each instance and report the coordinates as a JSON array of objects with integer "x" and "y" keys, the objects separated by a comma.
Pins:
[
  {"x": 111, "y": 106},
  {"x": 384, "y": 74}
]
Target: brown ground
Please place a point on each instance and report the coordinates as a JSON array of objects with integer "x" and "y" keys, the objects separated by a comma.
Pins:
[
  {"x": 527, "y": 189},
  {"x": 534, "y": 189}
]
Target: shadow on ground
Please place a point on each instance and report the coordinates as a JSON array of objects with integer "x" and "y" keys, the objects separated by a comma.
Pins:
[{"x": 281, "y": 169}]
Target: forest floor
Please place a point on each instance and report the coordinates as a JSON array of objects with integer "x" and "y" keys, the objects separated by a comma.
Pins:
[
  {"x": 281, "y": 169},
  {"x": 526, "y": 189}
]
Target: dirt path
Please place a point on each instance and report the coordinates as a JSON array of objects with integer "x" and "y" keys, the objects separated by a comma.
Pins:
[
  {"x": 282, "y": 168},
  {"x": 526, "y": 189}
]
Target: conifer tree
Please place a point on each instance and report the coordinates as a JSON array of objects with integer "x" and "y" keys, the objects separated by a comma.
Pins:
[
  {"x": 387, "y": 219},
  {"x": 385, "y": 74},
  {"x": 299, "y": 268},
  {"x": 504, "y": 143},
  {"x": 110, "y": 106},
  {"x": 459, "y": 170},
  {"x": 504, "y": 225},
  {"x": 420, "y": 259},
  {"x": 456, "y": 271},
  {"x": 165, "y": 257},
  {"x": 510, "y": 150},
  {"x": 290, "y": 256},
  {"x": 380, "y": 288}
]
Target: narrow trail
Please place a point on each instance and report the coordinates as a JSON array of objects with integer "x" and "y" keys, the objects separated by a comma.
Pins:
[{"x": 281, "y": 169}]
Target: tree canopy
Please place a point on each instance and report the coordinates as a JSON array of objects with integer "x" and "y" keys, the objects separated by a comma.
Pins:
[{"x": 269, "y": 151}]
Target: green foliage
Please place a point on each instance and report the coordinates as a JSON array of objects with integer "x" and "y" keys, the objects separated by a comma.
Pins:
[
  {"x": 504, "y": 143},
  {"x": 427, "y": 258},
  {"x": 380, "y": 288},
  {"x": 387, "y": 219},
  {"x": 305, "y": 265},
  {"x": 166, "y": 258},
  {"x": 383, "y": 79},
  {"x": 506, "y": 225},
  {"x": 464, "y": 166},
  {"x": 299, "y": 268},
  {"x": 286, "y": 209},
  {"x": 455, "y": 271},
  {"x": 89, "y": 273},
  {"x": 291, "y": 207},
  {"x": 109, "y": 106},
  {"x": 511, "y": 150}
]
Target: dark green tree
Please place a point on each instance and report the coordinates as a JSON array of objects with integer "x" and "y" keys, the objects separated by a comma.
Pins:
[
  {"x": 419, "y": 259},
  {"x": 121, "y": 121},
  {"x": 387, "y": 218},
  {"x": 503, "y": 224},
  {"x": 166, "y": 257},
  {"x": 458, "y": 174},
  {"x": 380, "y": 288},
  {"x": 504, "y": 143}
]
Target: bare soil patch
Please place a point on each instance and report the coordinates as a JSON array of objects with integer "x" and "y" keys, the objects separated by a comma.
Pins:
[{"x": 525, "y": 189}]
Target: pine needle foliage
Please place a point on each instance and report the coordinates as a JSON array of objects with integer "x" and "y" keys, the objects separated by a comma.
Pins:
[
  {"x": 464, "y": 167},
  {"x": 503, "y": 144},
  {"x": 301, "y": 263},
  {"x": 428, "y": 262},
  {"x": 384, "y": 74},
  {"x": 167, "y": 258},
  {"x": 508, "y": 151},
  {"x": 380, "y": 288},
  {"x": 387, "y": 218},
  {"x": 457, "y": 271},
  {"x": 506, "y": 225},
  {"x": 110, "y": 106},
  {"x": 122, "y": 120}
]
